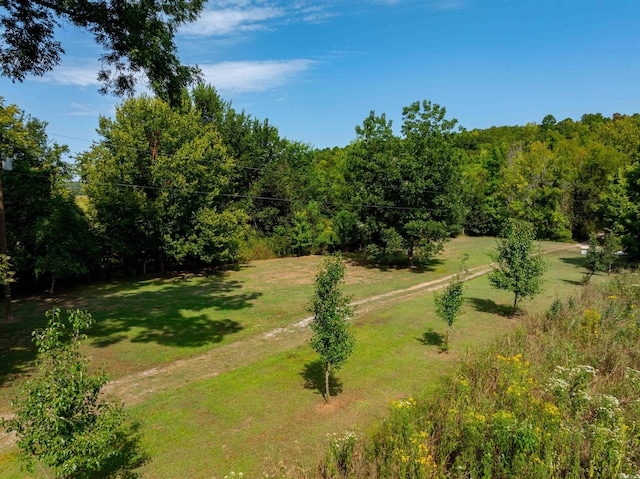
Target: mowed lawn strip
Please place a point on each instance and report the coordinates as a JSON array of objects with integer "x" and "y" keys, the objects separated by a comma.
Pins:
[{"x": 252, "y": 418}]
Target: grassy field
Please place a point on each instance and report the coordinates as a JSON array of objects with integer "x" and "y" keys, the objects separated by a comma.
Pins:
[{"x": 254, "y": 399}]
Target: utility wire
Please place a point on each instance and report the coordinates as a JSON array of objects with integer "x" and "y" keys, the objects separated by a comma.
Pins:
[
  {"x": 244, "y": 167},
  {"x": 263, "y": 198},
  {"x": 236, "y": 195},
  {"x": 252, "y": 168}
]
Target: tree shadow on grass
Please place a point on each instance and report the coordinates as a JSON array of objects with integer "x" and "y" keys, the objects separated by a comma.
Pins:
[
  {"x": 129, "y": 457},
  {"x": 177, "y": 314},
  {"x": 432, "y": 338},
  {"x": 579, "y": 261},
  {"x": 489, "y": 306},
  {"x": 313, "y": 375},
  {"x": 17, "y": 351},
  {"x": 174, "y": 311},
  {"x": 392, "y": 263}
]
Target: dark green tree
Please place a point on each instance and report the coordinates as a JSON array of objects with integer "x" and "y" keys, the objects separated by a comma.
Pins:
[
  {"x": 331, "y": 338},
  {"x": 158, "y": 187},
  {"x": 48, "y": 236},
  {"x": 610, "y": 248},
  {"x": 65, "y": 244},
  {"x": 519, "y": 265},
  {"x": 408, "y": 189},
  {"x": 61, "y": 418},
  {"x": 137, "y": 37}
]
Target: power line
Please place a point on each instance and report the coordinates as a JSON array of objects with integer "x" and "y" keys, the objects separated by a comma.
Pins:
[
  {"x": 237, "y": 195},
  {"x": 263, "y": 198},
  {"x": 244, "y": 167}
]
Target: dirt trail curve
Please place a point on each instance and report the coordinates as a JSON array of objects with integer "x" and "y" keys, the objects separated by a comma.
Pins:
[{"x": 137, "y": 387}]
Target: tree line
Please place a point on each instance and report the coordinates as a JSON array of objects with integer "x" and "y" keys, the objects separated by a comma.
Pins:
[{"x": 201, "y": 184}]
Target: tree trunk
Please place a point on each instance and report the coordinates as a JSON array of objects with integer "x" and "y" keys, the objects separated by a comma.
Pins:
[
  {"x": 410, "y": 255},
  {"x": 446, "y": 341},
  {"x": 515, "y": 303},
  {"x": 326, "y": 381}
]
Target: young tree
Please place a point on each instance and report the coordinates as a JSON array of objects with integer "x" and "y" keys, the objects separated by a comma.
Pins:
[
  {"x": 610, "y": 248},
  {"x": 449, "y": 303},
  {"x": 519, "y": 264},
  {"x": 61, "y": 419},
  {"x": 601, "y": 258},
  {"x": 331, "y": 336},
  {"x": 593, "y": 258}
]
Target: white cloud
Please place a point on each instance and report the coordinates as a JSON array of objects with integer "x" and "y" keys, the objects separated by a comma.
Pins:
[
  {"x": 253, "y": 76},
  {"x": 232, "y": 20},
  {"x": 229, "y": 17},
  {"x": 82, "y": 74},
  {"x": 80, "y": 109},
  {"x": 235, "y": 76}
]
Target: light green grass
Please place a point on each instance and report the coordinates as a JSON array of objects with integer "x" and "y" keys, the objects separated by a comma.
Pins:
[
  {"x": 253, "y": 417},
  {"x": 250, "y": 418},
  {"x": 144, "y": 323}
]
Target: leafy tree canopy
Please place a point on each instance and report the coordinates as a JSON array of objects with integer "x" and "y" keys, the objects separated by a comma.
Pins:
[
  {"x": 158, "y": 186},
  {"x": 519, "y": 264},
  {"x": 40, "y": 213},
  {"x": 407, "y": 188},
  {"x": 137, "y": 37}
]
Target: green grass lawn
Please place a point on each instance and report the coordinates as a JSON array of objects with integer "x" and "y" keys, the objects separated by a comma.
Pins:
[
  {"x": 265, "y": 405},
  {"x": 146, "y": 322}
]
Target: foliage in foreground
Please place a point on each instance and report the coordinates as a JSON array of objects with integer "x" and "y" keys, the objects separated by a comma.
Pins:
[
  {"x": 61, "y": 419},
  {"x": 556, "y": 398}
]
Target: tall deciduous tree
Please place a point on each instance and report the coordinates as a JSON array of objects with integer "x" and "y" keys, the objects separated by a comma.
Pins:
[
  {"x": 620, "y": 206},
  {"x": 48, "y": 236},
  {"x": 61, "y": 420},
  {"x": 408, "y": 189},
  {"x": 137, "y": 37},
  {"x": 157, "y": 186},
  {"x": 519, "y": 265},
  {"x": 331, "y": 338}
]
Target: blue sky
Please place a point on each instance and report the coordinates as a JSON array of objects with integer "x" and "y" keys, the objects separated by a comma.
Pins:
[{"x": 316, "y": 69}]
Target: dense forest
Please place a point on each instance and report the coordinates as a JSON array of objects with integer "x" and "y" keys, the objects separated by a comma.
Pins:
[{"x": 204, "y": 184}]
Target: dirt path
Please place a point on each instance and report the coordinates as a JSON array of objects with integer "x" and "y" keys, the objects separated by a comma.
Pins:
[{"x": 137, "y": 387}]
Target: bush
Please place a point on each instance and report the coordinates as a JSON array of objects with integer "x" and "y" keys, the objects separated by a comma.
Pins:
[{"x": 61, "y": 419}]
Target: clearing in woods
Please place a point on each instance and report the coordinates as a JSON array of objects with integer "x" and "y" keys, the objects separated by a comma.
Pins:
[{"x": 218, "y": 364}]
